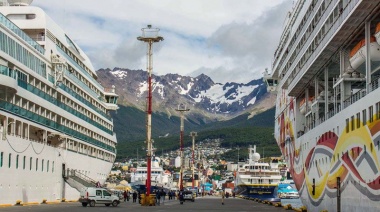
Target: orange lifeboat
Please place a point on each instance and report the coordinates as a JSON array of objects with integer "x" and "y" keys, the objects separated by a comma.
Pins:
[
  {"x": 358, "y": 53},
  {"x": 303, "y": 104},
  {"x": 377, "y": 33}
]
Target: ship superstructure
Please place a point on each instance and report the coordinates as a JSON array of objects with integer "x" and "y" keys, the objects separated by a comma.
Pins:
[
  {"x": 326, "y": 74},
  {"x": 54, "y": 115}
]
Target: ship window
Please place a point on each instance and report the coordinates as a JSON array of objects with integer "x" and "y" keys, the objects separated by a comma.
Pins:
[
  {"x": 358, "y": 120},
  {"x": 17, "y": 156},
  {"x": 30, "y": 163},
  {"x": 1, "y": 159},
  {"x": 36, "y": 164},
  {"x": 52, "y": 167},
  {"x": 370, "y": 111},
  {"x": 352, "y": 123},
  {"x": 47, "y": 166},
  {"x": 23, "y": 162},
  {"x": 347, "y": 125},
  {"x": 364, "y": 114},
  {"x": 30, "y": 16},
  {"x": 377, "y": 110},
  {"x": 9, "y": 160},
  {"x": 42, "y": 165}
]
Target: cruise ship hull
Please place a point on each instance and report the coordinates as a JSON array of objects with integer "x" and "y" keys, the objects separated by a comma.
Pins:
[
  {"x": 353, "y": 157},
  {"x": 42, "y": 177},
  {"x": 332, "y": 146}
]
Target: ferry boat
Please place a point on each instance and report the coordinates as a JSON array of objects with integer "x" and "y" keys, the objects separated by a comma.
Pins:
[
  {"x": 256, "y": 179},
  {"x": 329, "y": 55},
  {"x": 159, "y": 177},
  {"x": 54, "y": 115}
]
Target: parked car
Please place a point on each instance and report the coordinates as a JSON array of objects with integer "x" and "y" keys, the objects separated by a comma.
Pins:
[
  {"x": 188, "y": 195},
  {"x": 91, "y": 196}
]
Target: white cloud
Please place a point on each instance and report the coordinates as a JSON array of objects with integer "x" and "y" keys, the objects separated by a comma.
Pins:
[{"x": 228, "y": 40}]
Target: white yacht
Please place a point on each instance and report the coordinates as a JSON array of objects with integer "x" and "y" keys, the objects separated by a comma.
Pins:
[
  {"x": 56, "y": 131},
  {"x": 326, "y": 73},
  {"x": 256, "y": 179}
]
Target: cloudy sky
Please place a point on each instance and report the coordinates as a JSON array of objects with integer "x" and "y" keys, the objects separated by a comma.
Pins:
[{"x": 224, "y": 39}]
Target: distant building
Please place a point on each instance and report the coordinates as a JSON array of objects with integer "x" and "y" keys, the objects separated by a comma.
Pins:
[{"x": 231, "y": 166}]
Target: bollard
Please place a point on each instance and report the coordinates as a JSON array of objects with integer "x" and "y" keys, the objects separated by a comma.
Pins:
[
  {"x": 142, "y": 199},
  {"x": 152, "y": 200}
]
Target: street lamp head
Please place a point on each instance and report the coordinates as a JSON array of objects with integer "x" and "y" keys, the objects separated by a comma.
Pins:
[{"x": 150, "y": 35}]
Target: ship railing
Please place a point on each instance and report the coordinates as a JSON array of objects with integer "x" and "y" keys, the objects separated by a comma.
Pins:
[
  {"x": 325, "y": 39},
  {"x": 15, "y": 29},
  {"x": 346, "y": 103},
  {"x": 74, "y": 173}
]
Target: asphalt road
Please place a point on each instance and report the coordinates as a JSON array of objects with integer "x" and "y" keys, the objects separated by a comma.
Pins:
[{"x": 200, "y": 204}]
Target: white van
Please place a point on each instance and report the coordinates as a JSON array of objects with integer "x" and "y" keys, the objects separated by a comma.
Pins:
[{"x": 94, "y": 196}]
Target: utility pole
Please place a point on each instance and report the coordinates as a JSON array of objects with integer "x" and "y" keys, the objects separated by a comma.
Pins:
[
  {"x": 193, "y": 134},
  {"x": 149, "y": 36},
  {"x": 181, "y": 108}
]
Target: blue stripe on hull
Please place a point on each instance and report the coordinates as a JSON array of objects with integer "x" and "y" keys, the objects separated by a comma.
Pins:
[{"x": 268, "y": 193}]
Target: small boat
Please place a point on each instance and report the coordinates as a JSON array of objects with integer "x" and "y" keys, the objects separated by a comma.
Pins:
[
  {"x": 287, "y": 191},
  {"x": 303, "y": 104},
  {"x": 358, "y": 53}
]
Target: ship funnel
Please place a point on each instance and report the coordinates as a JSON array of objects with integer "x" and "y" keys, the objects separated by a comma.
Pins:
[{"x": 19, "y": 2}]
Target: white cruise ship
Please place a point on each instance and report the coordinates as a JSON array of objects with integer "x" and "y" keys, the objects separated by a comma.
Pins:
[
  {"x": 56, "y": 131},
  {"x": 326, "y": 75}
]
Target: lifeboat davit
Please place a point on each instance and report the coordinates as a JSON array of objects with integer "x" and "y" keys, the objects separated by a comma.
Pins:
[{"x": 358, "y": 53}]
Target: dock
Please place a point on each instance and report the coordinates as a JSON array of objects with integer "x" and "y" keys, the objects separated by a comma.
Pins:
[{"x": 208, "y": 203}]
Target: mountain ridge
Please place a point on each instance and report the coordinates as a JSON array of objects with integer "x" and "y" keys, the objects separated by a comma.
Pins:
[{"x": 208, "y": 101}]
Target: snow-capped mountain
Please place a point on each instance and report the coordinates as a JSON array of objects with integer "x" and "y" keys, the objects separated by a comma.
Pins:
[{"x": 201, "y": 94}]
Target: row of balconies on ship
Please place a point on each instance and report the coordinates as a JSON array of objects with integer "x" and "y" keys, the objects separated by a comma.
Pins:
[{"x": 9, "y": 83}]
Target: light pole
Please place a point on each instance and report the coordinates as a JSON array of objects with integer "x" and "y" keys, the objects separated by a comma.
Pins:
[
  {"x": 181, "y": 108},
  {"x": 149, "y": 36},
  {"x": 193, "y": 134}
]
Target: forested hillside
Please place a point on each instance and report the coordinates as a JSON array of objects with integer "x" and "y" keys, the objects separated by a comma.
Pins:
[{"x": 238, "y": 132}]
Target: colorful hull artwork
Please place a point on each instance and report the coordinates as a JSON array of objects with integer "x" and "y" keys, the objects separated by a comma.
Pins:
[{"x": 317, "y": 160}]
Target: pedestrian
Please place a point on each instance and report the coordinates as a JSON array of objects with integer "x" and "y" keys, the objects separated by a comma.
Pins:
[
  {"x": 139, "y": 196},
  {"x": 233, "y": 194},
  {"x": 162, "y": 195},
  {"x": 125, "y": 195},
  {"x": 223, "y": 195},
  {"x": 128, "y": 196},
  {"x": 170, "y": 195},
  {"x": 134, "y": 196},
  {"x": 158, "y": 197}
]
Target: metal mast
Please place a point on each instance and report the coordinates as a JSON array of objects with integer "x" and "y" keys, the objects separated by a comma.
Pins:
[
  {"x": 181, "y": 108},
  {"x": 149, "y": 36},
  {"x": 193, "y": 134}
]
